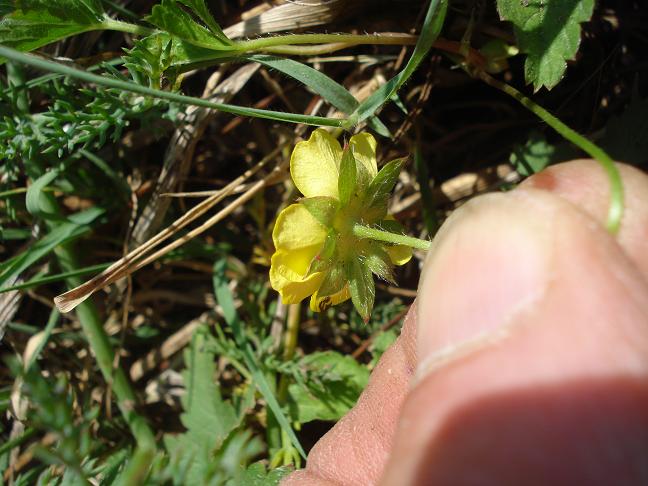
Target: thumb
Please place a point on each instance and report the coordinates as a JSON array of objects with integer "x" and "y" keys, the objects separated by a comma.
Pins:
[{"x": 532, "y": 352}]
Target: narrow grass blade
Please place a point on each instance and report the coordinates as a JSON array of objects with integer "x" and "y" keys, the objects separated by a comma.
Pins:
[{"x": 429, "y": 32}]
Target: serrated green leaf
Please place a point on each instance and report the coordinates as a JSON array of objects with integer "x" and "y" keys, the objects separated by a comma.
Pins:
[
  {"x": 322, "y": 208},
  {"x": 170, "y": 17},
  {"x": 548, "y": 32},
  {"x": 35, "y": 23},
  {"x": 257, "y": 475},
  {"x": 334, "y": 387},
  {"x": 361, "y": 287},
  {"x": 208, "y": 419},
  {"x": 348, "y": 177},
  {"x": 199, "y": 7},
  {"x": 377, "y": 195}
]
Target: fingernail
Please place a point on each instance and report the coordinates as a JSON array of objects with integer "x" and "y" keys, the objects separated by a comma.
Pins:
[{"x": 489, "y": 262}]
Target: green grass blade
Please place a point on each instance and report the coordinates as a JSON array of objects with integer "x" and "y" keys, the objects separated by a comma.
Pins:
[
  {"x": 430, "y": 30},
  {"x": 35, "y": 282},
  {"x": 62, "y": 233},
  {"x": 326, "y": 87}
]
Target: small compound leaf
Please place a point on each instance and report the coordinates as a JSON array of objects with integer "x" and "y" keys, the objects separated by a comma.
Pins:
[
  {"x": 170, "y": 17},
  {"x": 322, "y": 208},
  {"x": 361, "y": 287},
  {"x": 548, "y": 32},
  {"x": 333, "y": 386},
  {"x": 348, "y": 177}
]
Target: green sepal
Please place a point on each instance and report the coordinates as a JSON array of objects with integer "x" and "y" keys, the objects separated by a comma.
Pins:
[
  {"x": 377, "y": 195},
  {"x": 348, "y": 176},
  {"x": 379, "y": 262},
  {"x": 322, "y": 208},
  {"x": 324, "y": 259},
  {"x": 361, "y": 287},
  {"x": 334, "y": 281}
]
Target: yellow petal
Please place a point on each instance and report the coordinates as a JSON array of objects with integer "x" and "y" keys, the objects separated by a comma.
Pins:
[
  {"x": 399, "y": 254},
  {"x": 297, "y": 228},
  {"x": 287, "y": 274},
  {"x": 363, "y": 146},
  {"x": 320, "y": 304},
  {"x": 314, "y": 165}
]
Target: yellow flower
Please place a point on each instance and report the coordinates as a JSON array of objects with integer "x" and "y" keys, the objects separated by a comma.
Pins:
[{"x": 317, "y": 252}]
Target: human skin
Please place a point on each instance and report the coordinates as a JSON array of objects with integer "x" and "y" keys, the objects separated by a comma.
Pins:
[{"x": 525, "y": 359}]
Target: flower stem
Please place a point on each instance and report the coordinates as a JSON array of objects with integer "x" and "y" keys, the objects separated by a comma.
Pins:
[
  {"x": 615, "y": 211},
  {"x": 351, "y": 39},
  {"x": 362, "y": 231}
]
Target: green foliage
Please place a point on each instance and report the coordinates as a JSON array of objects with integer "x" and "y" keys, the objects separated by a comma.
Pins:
[
  {"x": 50, "y": 409},
  {"x": 34, "y": 23},
  {"x": 200, "y": 8},
  {"x": 536, "y": 154},
  {"x": 75, "y": 119},
  {"x": 67, "y": 231},
  {"x": 210, "y": 451},
  {"x": 548, "y": 32},
  {"x": 430, "y": 30},
  {"x": 169, "y": 17},
  {"x": 330, "y": 387},
  {"x": 257, "y": 475}
]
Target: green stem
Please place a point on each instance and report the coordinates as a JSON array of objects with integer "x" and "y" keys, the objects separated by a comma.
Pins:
[
  {"x": 351, "y": 39},
  {"x": 65, "y": 70},
  {"x": 290, "y": 345},
  {"x": 118, "y": 25},
  {"x": 362, "y": 231},
  {"x": 615, "y": 211}
]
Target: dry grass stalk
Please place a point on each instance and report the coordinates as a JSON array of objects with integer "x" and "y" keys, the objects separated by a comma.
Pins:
[
  {"x": 137, "y": 258},
  {"x": 182, "y": 146}
]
